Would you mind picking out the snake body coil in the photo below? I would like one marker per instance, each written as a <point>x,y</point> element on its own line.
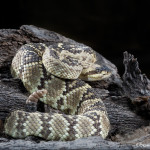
<point>59,70</point>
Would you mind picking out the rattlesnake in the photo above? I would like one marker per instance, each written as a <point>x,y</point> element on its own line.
<point>55,75</point>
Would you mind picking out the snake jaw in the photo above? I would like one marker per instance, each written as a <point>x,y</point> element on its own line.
<point>95,77</point>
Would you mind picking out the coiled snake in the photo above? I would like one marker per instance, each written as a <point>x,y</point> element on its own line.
<point>55,75</point>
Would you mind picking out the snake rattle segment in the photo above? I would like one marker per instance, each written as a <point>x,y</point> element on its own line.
<point>60,69</point>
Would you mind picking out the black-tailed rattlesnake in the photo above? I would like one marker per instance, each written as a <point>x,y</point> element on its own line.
<point>54,75</point>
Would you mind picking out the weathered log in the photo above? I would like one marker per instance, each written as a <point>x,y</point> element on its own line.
<point>84,144</point>
<point>114,93</point>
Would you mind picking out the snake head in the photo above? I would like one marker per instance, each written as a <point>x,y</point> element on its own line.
<point>95,73</point>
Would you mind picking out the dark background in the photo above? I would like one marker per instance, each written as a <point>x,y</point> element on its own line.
<point>108,26</point>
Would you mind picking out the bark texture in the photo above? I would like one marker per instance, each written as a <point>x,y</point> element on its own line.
<point>126,99</point>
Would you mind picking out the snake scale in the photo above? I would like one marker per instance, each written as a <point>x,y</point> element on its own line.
<point>59,70</point>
